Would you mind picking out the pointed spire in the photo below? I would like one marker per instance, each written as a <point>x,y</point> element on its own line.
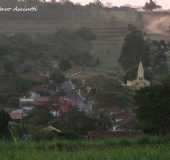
<point>140,74</point>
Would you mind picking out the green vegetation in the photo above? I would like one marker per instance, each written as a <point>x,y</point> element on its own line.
<point>154,108</point>
<point>109,92</point>
<point>147,148</point>
<point>153,55</point>
<point>13,87</point>
<point>23,53</point>
<point>4,119</point>
<point>151,6</point>
<point>80,122</point>
<point>134,49</point>
<point>72,124</point>
<point>24,57</point>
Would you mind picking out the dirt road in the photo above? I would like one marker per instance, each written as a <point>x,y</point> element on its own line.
<point>160,25</point>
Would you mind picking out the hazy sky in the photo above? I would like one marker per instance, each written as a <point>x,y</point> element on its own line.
<point>164,3</point>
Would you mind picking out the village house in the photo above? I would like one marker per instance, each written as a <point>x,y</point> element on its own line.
<point>16,115</point>
<point>56,104</point>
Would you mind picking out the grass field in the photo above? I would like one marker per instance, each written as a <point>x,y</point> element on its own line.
<point>154,148</point>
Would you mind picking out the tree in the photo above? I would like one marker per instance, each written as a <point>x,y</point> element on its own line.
<point>153,55</point>
<point>151,5</point>
<point>103,120</point>
<point>134,50</point>
<point>4,120</point>
<point>109,92</point>
<point>38,117</point>
<point>64,64</point>
<point>153,108</point>
<point>57,77</point>
<point>80,122</point>
<point>75,46</point>
<point>96,3</point>
<point>75,121</point>
<point>158,58</point>
<point>86,34</point>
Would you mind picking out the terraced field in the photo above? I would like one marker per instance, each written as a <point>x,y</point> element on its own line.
<point>109,25</point>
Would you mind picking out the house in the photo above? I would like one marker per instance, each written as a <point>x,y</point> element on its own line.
<point>26,102</point>
<point>43,102</point>
<point>16,115</point>
<point>39,90</point>
<point>73,93</point>
<point>36,92</point>
<point>56,104</point>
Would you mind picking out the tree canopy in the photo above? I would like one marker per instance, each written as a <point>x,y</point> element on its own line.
<point>151,5</point>
<point>152,53</point>
<point>4,120</point>
<point>134,50</point>
<point>153,108</point>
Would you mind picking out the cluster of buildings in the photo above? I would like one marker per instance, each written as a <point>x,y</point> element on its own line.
<point>60,99</point>
<point>57,100</point>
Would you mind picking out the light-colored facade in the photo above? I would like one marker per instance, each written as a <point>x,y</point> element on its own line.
<point>140,81</point>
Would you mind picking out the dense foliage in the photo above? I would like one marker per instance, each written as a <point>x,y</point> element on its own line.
<point>134,49</point>
<point>24,53</point>
<point>109,93</point>
<point>23,57</point>
<point>73,122</point>
<point>153,55</point>
<point>151,5</point>
<point>4,120</point>
<point>153,108</point>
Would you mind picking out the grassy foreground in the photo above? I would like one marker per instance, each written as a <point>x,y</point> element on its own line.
<point>116,149</point>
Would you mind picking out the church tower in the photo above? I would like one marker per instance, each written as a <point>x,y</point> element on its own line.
<point>140,74</point>
<point>140,81</point>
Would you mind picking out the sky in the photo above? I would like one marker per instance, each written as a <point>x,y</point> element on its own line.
<point>164,3</point>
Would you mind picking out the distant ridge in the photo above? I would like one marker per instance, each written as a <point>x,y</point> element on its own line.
<point>109,24</point>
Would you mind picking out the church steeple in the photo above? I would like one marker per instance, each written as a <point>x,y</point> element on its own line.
<point>140,82</point>
<point>140,74</point>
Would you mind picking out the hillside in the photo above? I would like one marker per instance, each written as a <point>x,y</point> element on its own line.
<point>109,25</point>
<point>156,24</point>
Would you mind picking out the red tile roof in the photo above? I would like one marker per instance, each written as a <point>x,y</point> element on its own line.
<point>42,102</point>
<point>16,115</point>
<point>57,103</point>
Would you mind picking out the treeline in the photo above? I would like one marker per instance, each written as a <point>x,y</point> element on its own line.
<point>65,3</point>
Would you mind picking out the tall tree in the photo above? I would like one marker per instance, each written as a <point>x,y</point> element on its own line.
<point>151,5</point>
<point>4,120</point>
<point>96,3</point>
<point>134,50</point>
<point>153,108</point>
